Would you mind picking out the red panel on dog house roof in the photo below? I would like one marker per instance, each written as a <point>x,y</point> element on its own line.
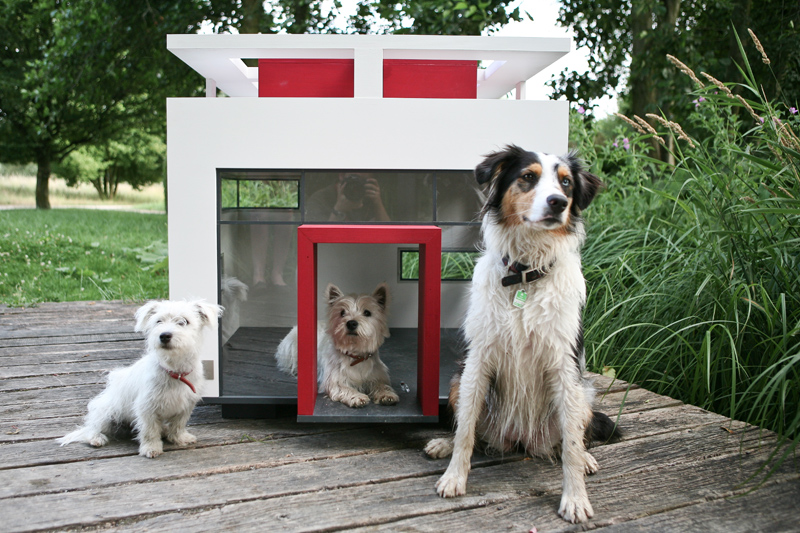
<point>333,78</point>
<point>305,78</point>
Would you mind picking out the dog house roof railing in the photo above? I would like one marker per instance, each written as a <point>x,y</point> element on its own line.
<point>506,62</point>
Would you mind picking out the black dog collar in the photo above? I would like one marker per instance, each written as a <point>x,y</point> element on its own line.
<point>522,273</point>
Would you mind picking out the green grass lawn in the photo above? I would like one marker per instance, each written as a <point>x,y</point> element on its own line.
<point>81,254</point>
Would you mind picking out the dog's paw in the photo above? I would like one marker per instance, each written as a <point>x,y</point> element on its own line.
<point>590,465</point>
<point>450,485</point>
<point>575,509</point>
<point>439,448</point>
<point>98,440</point>
<point>151,450</point>
<point>357,400</point>
<point>182,439</point>
<point>388,397</point>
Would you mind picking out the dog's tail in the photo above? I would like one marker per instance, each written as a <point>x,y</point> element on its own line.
<point>79,435</point>
<point>602,429</point>
<point>286,354</point>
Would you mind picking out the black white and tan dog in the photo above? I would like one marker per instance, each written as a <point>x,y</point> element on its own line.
<point>522,383</point>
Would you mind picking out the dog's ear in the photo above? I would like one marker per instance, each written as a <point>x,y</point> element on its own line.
<point>381,295</point>
<point>208,313</point>
<point>494,163</point>
<point>332,293</point>
<point>143,314</point>
<point>587,185</point>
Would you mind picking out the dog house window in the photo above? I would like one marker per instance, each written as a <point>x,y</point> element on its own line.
<point>457,265</point>
<point>259,212</point>
<point>345,197</point>
<point>260,193</point>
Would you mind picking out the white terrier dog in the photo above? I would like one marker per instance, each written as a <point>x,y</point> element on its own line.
<point>349,368</point>
<point>157,393</point>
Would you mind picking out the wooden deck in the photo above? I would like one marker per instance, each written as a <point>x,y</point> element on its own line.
<point>678,469</point>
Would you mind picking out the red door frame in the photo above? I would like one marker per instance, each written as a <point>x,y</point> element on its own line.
<point>429,239</point>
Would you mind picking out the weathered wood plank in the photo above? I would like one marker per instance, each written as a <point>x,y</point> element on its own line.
<point>90,365</point>
<point>51,428</point>
<point>50,381</point>
<point>281,446</point>
<point>648,454</point>
<point>113,350</point>
<point>680,489</point>
<point>90,338</point>
<point>27,454</point>
<point>675,466</point>
<point>340,503</point>
<point>770,508</point>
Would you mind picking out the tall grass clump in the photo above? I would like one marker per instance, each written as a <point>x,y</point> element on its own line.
<point>692,266</point>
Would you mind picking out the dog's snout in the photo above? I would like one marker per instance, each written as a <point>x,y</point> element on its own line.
<point>352,325</point>
<point>557,203</point>
<point>165,338</point>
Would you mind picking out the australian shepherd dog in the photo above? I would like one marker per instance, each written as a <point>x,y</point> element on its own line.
<point>521,383</point>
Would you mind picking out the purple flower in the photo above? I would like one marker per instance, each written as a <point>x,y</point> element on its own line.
<point>626,143</point>
<point>581,109</point>
<point>615,145</point>
<point>793,110</point>
<point>698,101</point>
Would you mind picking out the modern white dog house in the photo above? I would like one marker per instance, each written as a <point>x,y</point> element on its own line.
<point>336,130</point>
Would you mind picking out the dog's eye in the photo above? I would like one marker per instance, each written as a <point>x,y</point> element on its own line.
<point>182,322</point>
<point>342,313</point>
<point>529,177</point>
<point>565,182</point>
<point>367,313</point>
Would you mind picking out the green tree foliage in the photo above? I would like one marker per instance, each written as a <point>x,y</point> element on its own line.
<point>80,73</point>
<point>85,74</point>
<point>432,17</point>
<point>136,158</point>
<point>640,34</point>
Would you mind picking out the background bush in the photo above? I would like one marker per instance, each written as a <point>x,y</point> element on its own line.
<point>692,265</point>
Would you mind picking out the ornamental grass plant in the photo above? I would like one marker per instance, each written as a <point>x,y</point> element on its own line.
<point>692,266</point>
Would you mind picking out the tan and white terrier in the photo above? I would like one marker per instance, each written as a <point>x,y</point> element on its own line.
<point>349,367</point>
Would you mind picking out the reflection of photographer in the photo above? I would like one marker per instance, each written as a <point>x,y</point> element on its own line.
<point>354,197</point>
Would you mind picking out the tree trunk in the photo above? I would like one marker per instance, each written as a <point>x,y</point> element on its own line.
<point>643,96</point>
<point>43,181</point>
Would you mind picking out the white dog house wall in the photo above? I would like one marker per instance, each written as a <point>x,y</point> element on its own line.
<point>345,130</point>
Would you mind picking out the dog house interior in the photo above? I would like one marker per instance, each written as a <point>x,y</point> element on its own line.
<point>338,131</point>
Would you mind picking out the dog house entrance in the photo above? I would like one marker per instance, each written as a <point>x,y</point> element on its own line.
<point>260,212</point>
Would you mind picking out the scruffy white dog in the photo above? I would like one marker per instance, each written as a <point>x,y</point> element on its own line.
<point>349,368</point>
<point>157,393</point>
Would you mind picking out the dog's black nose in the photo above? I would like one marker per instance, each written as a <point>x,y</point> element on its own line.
<point>557,203</point>
<point>352,325</point>
<point>165,338</point>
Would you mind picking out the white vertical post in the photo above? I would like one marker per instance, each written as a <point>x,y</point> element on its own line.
<point>522,90</point>
<point>368,75</point>
<point>211,88</point>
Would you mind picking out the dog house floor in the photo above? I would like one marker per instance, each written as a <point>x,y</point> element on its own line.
<point>249,375</point>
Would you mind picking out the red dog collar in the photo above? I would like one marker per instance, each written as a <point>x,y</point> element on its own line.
<point>181,377</point>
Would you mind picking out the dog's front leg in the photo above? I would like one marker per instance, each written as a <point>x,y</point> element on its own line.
<point>383,393</point>
<point>148,433</point>
<point>176,430</point>
<point>469,406</point>
<point>347,395</point>
<point>574,416</point>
